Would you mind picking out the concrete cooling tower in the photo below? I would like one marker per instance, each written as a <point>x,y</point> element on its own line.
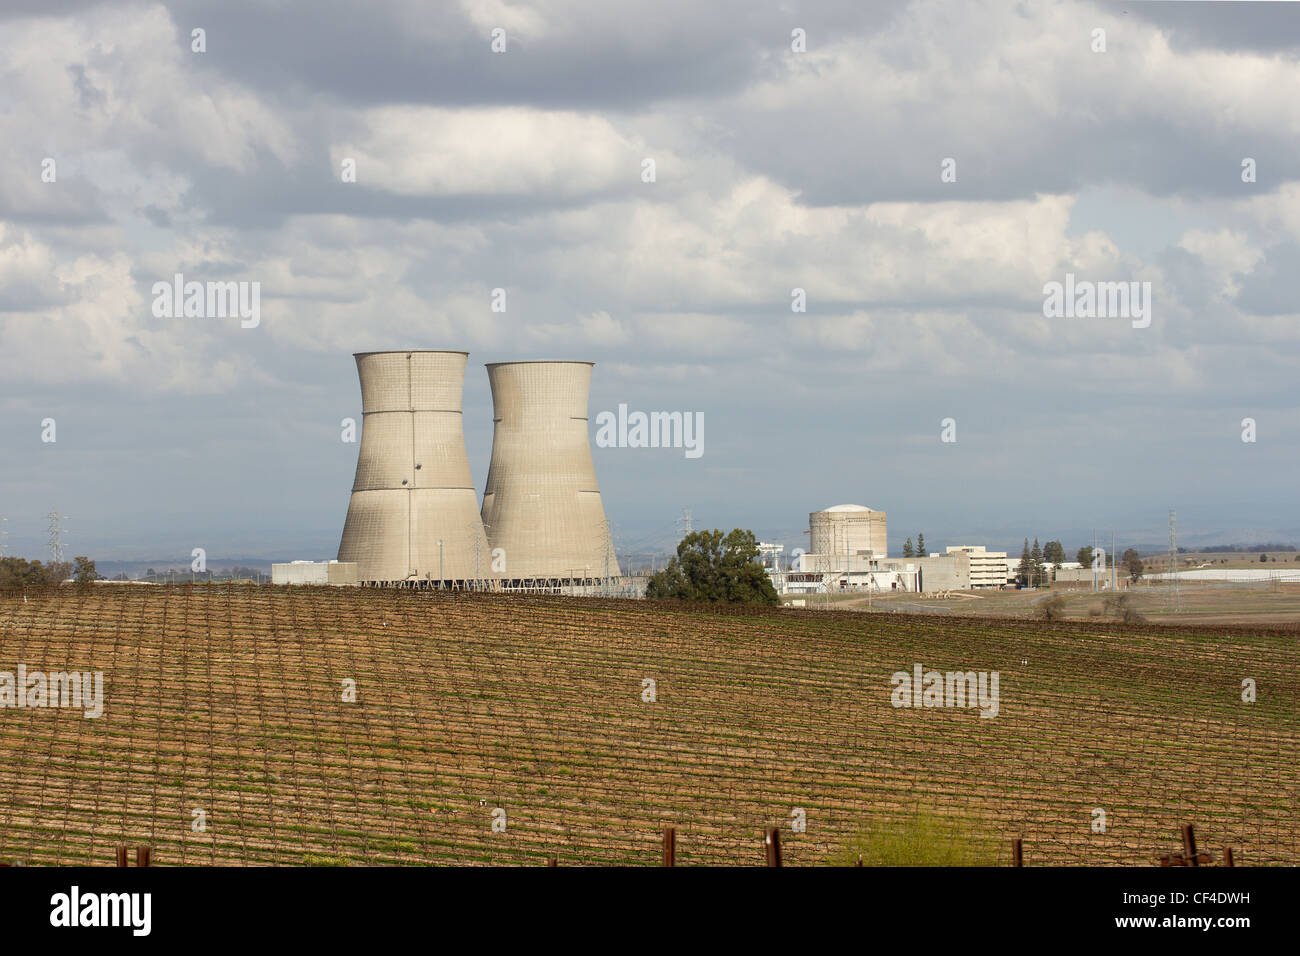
<point>413,486</point>
<point>541,504</point>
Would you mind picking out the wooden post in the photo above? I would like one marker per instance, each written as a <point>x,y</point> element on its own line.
<point>670,846</point>
<point>1227,856</point>
<point>859,863</point>
<point>1017,853</point>
<point>1189,846</point>
<point>772,846</point>
<point>142,854</point>
<point>552,861</point>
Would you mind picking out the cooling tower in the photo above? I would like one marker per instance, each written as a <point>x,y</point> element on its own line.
<point>541,504</point>
<point>413,486</point>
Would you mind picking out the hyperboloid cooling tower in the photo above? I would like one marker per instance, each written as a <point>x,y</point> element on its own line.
<point>413,487</point>
<point>541,504</point>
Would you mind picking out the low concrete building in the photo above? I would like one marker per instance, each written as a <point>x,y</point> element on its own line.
<point>844,573</point>
<point>334,573</point>
<point>963,567</point>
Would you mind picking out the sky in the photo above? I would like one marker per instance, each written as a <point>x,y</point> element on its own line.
<point>824,169</point>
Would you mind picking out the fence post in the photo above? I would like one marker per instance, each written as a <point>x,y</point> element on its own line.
<point>1227,856</point>
<point>142,854</point>
<point>1189,845</point>
<point>670,846</point>
<point>552,861</point>
<point>120,854</point>
<point>1017,853</point>
<point>772,846</point>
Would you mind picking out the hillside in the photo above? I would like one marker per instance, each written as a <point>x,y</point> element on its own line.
<point>229,700</point>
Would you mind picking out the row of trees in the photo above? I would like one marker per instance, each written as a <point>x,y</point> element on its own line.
<point>19,572</point>
<point>711,566</point>
<point>1032,569</point>
<point>915,552</point>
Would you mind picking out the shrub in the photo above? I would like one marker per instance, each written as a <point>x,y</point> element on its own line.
<point>922,839</point>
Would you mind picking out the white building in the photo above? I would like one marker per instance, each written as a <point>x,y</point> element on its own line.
<point>336,573</point>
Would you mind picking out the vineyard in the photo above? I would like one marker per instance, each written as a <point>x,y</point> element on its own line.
<point>492,729</point>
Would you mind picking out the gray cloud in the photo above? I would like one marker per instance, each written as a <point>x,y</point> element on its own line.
<point>774,171</point>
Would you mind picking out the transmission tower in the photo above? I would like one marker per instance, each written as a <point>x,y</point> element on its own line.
<point>610,557</point>
<point>56,536</point>
<point>686,523</point>
<point>478,562</point>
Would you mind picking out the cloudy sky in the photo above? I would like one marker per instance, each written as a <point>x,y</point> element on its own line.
<point>774,170</point>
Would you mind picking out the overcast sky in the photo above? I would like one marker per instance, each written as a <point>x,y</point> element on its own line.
<point>774,170</point>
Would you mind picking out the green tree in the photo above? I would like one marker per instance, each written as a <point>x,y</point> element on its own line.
<point>19,572</point>
<point>1084,556</point>
<point>1026,567</point>
<point>1054,553</point>
<point>908,550</point>
<point>920,546</point>
<point>83,571</point>
<point>711,566</point>
<point>1036,562</point>
<point>1133,564</point>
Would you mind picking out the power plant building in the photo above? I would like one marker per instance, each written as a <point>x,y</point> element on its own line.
<point>847,530</point>
<point>542,506</point>
<point>413,517</point>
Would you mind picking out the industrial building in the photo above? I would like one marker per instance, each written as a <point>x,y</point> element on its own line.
<point>333,573</point>
<point>848,553</point>
<point>413,518</point>
<point>847,529</point>
<point>833,574</point>
<point>542,509</point>
<point>963,567</point>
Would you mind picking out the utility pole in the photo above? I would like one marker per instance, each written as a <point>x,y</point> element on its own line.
<point>1113,568</point>
<point>1173,558</point>
<point>3,532</point>
<point>1094,559</point>
<point>440,578</point>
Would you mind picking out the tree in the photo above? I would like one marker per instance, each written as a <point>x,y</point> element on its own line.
<point>1036,560</point>
<point>1132,564</point>
<point>920,546</point>
<point>711,566</point>
<point>1054,553</point>
<point>1026,567</point>
<point>1263,558</point>
<point>1084,556</point>
<point>19,572</point>
<point>908,551</point>
<point>83,571</point>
